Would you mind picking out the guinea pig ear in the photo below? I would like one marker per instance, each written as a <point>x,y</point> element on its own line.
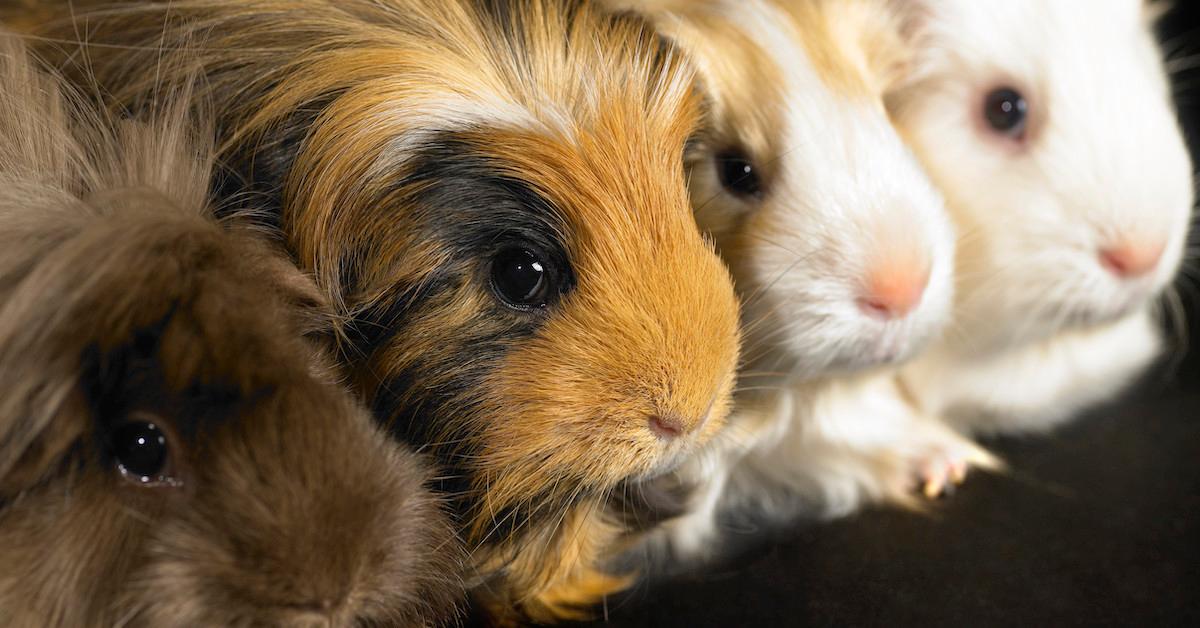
<point>913,23</point>
<point>885,34</point>
<point>910,15</point>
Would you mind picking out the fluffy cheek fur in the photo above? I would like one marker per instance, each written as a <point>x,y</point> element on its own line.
<point>1034,212</point>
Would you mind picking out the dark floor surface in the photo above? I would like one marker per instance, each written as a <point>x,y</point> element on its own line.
<point>1098,525</point>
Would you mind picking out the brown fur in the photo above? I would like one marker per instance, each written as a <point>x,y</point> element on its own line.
<point>359,119</point>
<point>121,299</point>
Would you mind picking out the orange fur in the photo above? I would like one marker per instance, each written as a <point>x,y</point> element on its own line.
<point>333,110</point>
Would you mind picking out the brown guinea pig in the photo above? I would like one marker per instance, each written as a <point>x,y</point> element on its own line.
<point>492,194</point>
<point>171,452</point>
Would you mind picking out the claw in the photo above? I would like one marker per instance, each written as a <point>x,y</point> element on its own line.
<point>958,472</point>
<point>937,471</point>
<point>935,485</point>
<point>939,479</point>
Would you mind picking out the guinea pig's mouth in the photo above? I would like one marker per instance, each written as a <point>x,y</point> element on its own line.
<point>884,346</point>
<point>1079,315</point>
<point>671,459</point>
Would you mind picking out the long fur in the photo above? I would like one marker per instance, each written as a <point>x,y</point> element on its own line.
<point>1040,328</point>
<point>122,298</point>
<point>405,144</point>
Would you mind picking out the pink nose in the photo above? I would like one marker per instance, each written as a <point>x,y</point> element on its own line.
<point>667,427</point>
<point>1129,260</point>
<point>894,291</point>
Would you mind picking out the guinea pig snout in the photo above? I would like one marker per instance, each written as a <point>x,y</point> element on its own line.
<point>1131,259</point>
<point>892,291</point>
<point>324,515</point>
<point>669,425</point>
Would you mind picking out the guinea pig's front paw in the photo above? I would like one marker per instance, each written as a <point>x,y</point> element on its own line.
<point>938,477</point>
<point>944,465</point>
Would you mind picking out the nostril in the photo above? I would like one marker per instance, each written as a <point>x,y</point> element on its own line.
<point>1128,260</point>
<point>878,307</point>
<point>893,292</point>
<point>666,427</point>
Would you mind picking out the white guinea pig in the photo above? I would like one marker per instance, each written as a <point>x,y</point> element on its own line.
<point>1049,127</point>
<point>841,250</point>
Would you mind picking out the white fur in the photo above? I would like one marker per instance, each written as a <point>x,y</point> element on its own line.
<point>1044,383</point>
<point>811,430</point>
<point>1041,328</point>
<point>821,448</point>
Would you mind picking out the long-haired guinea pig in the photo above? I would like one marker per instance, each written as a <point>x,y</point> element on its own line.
<point>1049,127</point>
<point>170,451</point>
<point>493,195</point>
<point>840,246</point>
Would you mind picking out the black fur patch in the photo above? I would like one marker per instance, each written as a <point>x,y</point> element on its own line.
<point>465,203</point>
<point>119,380</point>
<point>458,197</point>
<point>469,203</point>
<point>376,325</point>
<point>256,177</point>
<point>425,415</point>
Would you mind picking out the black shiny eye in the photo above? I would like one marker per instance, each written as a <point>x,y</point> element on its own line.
<point>1006,110</point>
<point>521,278</point>
<point>140,449</point>
<point>738,174</point>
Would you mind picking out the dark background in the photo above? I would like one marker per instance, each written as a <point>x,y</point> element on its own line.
<point>1097,525</point>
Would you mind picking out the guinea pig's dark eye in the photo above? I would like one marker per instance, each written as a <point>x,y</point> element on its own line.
<point>521,278</point>
<point>1005,110</point>
<point>738,174</point>
<point>140,450</point>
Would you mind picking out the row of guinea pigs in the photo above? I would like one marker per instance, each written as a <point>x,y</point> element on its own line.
<point>326,312</point>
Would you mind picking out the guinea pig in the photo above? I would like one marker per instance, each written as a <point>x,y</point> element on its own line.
<point>492,195</point>
<point>840,247</point>
<point>173,450</point>
<point>1050,129</point>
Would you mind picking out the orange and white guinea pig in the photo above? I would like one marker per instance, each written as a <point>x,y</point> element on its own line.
<point>492,194</point>
<point>1049,127</point>
<point>842,251</point>
<point>171,449</point>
